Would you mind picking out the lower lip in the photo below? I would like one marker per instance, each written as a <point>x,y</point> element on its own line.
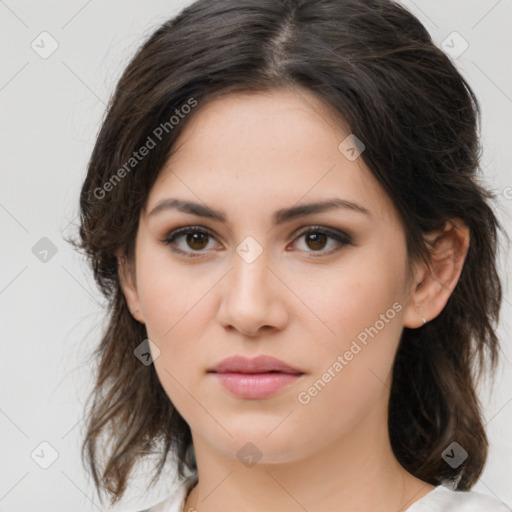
<point>256,385</point>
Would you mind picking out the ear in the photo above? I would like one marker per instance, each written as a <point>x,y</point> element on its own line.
<point>434,282</point>
<point>128,285</point>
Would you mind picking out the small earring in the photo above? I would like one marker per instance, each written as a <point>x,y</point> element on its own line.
<point>424,320</point>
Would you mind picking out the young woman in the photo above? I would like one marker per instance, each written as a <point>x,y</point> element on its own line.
<point>285,211</point>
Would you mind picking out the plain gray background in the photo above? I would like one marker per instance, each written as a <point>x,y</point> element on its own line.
<point>51,313</point>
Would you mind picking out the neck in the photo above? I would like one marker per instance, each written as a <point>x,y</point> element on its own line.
<point>356,472</point>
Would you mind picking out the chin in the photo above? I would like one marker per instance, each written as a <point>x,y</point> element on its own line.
<point>257,445</point>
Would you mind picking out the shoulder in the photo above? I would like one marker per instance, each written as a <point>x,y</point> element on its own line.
<point>440,499</point>
<point>443,499</point>
<point>176,501</point>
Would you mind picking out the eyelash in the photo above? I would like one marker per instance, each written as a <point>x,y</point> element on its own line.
<point>340,237</point>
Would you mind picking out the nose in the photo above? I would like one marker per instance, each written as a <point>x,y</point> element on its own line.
<point>253,298</point>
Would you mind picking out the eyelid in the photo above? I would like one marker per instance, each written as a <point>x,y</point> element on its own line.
<point>324,229</point>
<point>184,230</point>
<point>341,237</point>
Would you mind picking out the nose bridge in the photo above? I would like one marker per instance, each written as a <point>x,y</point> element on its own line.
<point>249,298</point>
<point>249,278</point>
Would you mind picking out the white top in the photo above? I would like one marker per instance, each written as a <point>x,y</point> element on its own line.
<point>440,499</point>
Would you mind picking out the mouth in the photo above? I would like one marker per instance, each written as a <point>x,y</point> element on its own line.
<point>255,378</point>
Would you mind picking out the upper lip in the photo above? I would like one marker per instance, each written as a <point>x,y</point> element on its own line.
<point>260,364</point>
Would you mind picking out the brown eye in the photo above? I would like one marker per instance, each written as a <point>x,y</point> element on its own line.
<point>190,241</point>
<point>194,241</point>
<point>316,240</point>
<point>197,240</point>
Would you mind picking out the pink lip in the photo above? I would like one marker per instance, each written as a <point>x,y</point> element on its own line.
<point>255,378</point>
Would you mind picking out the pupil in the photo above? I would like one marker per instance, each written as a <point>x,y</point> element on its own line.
<point>317,238</point>
<point>193,238</point>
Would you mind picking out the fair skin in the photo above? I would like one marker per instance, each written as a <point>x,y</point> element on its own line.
<point>300,301</point>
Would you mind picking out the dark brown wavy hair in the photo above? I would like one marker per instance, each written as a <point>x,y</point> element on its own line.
<point>375,65</point>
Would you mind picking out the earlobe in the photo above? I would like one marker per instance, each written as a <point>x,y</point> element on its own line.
<point>128,285</point>
<point>436,280</point>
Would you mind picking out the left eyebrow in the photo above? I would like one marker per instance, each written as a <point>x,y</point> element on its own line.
<point>287,214</point>
<point>280,216</point>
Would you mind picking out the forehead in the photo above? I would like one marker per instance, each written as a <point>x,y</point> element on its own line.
<point>281,146</point>
<point>280,118</point>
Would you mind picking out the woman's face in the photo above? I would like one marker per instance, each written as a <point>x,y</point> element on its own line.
<point>325,292</point>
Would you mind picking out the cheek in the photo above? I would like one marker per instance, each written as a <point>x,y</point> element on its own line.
<point>362,293</point>
<point>352,379</point>
<point>364,310</point>
<point>176,309</point>
<point>184,355</point>
<point>178,332</point>
<point>169,295</point>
